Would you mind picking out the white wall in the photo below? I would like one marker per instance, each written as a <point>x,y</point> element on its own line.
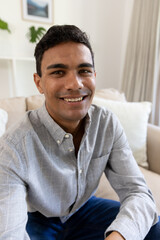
<point>105,21</point>
<point>16,43</point>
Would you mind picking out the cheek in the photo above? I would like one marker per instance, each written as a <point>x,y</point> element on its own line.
<point>50,86</point>
<point>91,84</point>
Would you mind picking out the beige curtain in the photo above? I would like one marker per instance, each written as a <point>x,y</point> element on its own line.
<point>155,117</point>
<point>141,77</point>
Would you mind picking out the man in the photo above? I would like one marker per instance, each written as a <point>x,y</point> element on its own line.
<point>51,162</point>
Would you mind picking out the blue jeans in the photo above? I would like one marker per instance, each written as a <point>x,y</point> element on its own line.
<point>88,223</point>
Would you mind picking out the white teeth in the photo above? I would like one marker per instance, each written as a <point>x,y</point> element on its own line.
<point>73,99</point>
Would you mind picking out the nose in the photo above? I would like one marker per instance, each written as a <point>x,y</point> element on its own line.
<point>73,82</point>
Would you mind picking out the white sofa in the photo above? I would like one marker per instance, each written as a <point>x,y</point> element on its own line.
<point>130,114</point>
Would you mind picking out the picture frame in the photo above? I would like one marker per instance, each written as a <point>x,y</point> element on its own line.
<point>38,10</point>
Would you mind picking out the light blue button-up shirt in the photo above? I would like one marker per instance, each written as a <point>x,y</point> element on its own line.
<point>40,172</point>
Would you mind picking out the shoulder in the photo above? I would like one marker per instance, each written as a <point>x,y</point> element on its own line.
<point>16,133</point>
<point>101,113</point>
<point>103,118</point>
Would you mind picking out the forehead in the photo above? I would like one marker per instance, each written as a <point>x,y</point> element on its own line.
<point>67,53</point>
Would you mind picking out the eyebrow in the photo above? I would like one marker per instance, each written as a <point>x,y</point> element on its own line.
<point>57,65</point>
<point>85,65</point>
<point>61,65</point>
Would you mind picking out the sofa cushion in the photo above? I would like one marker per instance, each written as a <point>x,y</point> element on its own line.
<point>134,119</point>
<point>3,121</point>
<point>37,101</point>
<point>34,102</point>
<point>15,107</point>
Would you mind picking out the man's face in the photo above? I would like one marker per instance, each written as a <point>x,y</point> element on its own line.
<point>67,81</point>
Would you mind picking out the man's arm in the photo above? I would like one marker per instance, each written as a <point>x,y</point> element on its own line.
<point>138,211</point>
<point>13,205</point>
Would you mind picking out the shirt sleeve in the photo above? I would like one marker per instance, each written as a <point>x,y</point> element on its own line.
<point>138,211</point>
<point>13,205</point>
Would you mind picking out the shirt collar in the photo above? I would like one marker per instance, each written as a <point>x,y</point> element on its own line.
<point>54,129</point>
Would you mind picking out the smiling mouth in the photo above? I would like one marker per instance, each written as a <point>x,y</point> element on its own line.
<point>79,99</point>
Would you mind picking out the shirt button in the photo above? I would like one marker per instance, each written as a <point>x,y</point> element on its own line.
<point>70,149</point>
<point>66,135</point>
<point>58,141</point>
<point>80,171</point>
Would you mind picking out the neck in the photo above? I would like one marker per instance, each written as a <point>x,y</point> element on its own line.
<point>78,129</point>
<point>77,135</point>
<point>72,127</point>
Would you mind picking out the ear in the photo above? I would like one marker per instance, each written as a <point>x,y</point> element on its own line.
<point>38,82</point>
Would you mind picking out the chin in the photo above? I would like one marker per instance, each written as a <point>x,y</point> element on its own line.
<point>77,116</point>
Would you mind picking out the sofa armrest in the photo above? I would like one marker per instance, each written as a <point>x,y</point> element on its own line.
<point>153,148</point>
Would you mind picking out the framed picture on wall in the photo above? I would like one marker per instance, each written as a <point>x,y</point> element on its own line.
<point>38,10</point>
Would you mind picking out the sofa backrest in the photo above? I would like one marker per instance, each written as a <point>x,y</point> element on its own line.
<point>17,106</point>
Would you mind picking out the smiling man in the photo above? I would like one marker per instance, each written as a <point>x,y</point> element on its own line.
<point>67,80</point>
<point>68,83</point>
<point>51,162</point>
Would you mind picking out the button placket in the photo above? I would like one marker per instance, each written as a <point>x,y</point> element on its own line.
<point>68,143</point>
<point>70,149</point>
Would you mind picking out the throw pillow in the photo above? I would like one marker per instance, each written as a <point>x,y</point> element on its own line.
<point>134,118</point>
<point>3,121</point>
<point>111,94</point>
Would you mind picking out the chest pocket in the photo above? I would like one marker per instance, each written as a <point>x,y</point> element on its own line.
<point>95,170</point>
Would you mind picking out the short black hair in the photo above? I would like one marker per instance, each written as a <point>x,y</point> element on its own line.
<point>59,34</point>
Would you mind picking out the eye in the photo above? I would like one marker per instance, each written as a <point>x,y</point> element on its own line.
<point>57,73</point>
<point>85,71</point>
